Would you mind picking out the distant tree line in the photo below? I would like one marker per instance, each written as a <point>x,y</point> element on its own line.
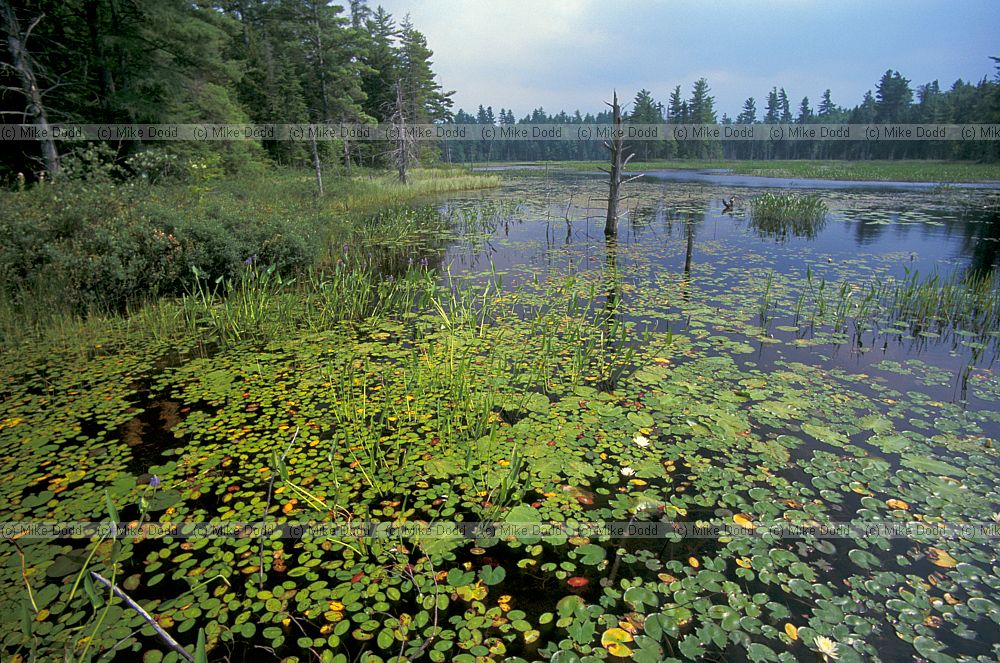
<point>894,101</point>
<point>230,61</point>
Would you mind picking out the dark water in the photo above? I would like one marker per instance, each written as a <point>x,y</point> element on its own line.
<point>922,229</point>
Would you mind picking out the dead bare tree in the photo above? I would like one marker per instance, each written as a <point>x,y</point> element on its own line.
<point>618,162</point>
<point>402,151</point>
<point>317,165</point>
<point>21,63</point>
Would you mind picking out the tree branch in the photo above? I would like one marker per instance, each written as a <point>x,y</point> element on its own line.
<point>173,644</point>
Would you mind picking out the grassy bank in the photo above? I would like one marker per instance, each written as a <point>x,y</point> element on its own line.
<point>887,171</point>
<point>96,246</point>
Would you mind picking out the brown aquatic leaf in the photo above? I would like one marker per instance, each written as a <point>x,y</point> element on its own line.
<point>941,558</point>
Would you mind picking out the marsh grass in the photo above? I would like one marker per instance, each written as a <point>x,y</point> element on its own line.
<point>781,215</point>
<point>968,304</point>
<point>875,170</point>
<point>370,191</point>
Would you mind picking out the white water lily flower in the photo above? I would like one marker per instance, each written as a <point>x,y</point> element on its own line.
<point>641,440</point>
<point>826,647</point>
<point>627,471</point>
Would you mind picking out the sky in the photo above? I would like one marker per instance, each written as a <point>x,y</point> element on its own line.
<point>571,54</point>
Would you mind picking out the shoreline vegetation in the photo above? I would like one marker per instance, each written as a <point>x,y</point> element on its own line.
<point>96,247</point>
<point>99,248</point>
<point>878,171</point>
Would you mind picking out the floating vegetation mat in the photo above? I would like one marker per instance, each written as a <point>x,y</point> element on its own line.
<point>569,451</point>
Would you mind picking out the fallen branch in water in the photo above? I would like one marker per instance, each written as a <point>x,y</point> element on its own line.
<point>173,644</point>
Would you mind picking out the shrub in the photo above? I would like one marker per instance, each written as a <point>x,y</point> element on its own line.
<point>101,245</point>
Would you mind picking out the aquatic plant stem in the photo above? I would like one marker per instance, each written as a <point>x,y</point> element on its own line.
<point>267,504</point>
<point>173,644</point>
<point>24,575</point>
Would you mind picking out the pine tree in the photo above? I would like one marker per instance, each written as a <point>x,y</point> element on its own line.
<point>749,112</point>
<point>805,113</point>
<point>701,110</point>
<point>675,112</point>
<point>826,107</point>
<point>783,104</point>
<point>645,110</point>
<point>893,97</point>
<point>382,65</point>
<point>702,105</point>
<point>773,112</point>
<point>424,99</point>
<point>24,67</point>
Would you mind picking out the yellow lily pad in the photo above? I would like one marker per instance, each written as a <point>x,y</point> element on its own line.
<point>941,558</point>
<point>613,640</point>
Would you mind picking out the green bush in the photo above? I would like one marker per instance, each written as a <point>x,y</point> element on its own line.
<point>100,245</point>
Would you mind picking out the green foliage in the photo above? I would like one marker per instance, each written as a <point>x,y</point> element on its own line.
<point>100,248</point>
<point>781,215</point>
<point>93,244</point>
<point>178,62</point>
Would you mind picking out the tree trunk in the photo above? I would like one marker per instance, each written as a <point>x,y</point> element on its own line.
<point>92,10</point>
<point>316,163</point>
<point>321,63</point>
<point>21,62</point>
<point>401,155</point>
<point>614,191</point>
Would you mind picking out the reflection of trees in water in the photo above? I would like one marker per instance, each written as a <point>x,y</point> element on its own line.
<point>619,345</point>
<point>689,251</point>
<point>981,236</point>
<point>612,281</point>
<point>977,229</point>
<point>866,232</point>
<point>395,261</point>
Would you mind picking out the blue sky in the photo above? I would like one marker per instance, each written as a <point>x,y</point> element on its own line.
<point>569,54</point>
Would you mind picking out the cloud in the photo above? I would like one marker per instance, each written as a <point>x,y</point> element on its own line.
<point>570,54</point>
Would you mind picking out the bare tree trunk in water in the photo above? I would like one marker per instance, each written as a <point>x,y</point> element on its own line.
<point>618,163</point>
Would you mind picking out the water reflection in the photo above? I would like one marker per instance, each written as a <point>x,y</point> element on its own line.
<point>781,228</point>
<point>981,236</point>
